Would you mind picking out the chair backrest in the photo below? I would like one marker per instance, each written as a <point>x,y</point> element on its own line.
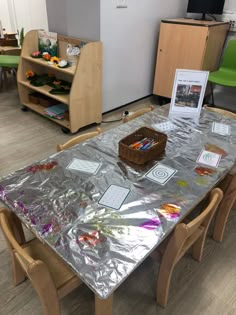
<point>185,235</point>
<point>10,231</point>
<point>78,139</point>
<point>192,234</point>
<point>229,59</point>
<point>223,112</point>
<point>138,113</point>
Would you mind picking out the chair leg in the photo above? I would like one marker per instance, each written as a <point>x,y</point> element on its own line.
<point>212,95</point>
<point>19,274</point>
<point>1,78</point>
<point>198,246</point>
<point>103,307</point>
<point>5,75</point>
<point>18,229</point>
<point>163,280</point>
<point>220,224</point>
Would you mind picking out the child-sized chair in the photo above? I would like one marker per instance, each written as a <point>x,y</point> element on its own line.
<point>8,63</point>
<point>226,73</point>
<point>184,236</point>
<point>228,186</point>
<point>78,139</point>
<point>138,113</point>
<point>51,278</point>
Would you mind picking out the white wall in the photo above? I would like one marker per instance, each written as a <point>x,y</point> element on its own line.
<point>129,39</point>
<point>57,16</point>
<point>4,16</point>
<point>75,18</point>
<point>230,5</point>
<point>31,14</point>
<point>83,19</point>
<point>28,14</point>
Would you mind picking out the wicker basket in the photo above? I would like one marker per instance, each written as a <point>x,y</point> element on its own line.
<point>46,101</point>
<point>34,98</point>
<point>142,156</point>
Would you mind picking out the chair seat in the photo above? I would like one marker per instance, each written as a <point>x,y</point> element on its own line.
<point>60,272</point>
<point>9,61</point>
<point>223,76</point>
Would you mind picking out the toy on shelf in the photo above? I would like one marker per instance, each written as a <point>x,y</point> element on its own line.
<point>36,54</point>
<point>72,53</point>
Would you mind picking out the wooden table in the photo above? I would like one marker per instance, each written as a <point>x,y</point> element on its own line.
<point>5,49</point>
<point>62,205</point>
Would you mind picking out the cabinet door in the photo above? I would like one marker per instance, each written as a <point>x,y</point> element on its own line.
<point>180,47</point>
<point>214,48</point>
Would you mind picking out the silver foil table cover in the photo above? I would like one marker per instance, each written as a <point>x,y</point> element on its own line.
<point>103,245</point>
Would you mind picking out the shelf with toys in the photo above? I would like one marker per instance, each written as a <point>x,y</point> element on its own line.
<point>70,70</point>
<point>78,85</point>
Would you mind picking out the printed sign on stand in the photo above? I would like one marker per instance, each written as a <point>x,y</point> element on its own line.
<point>188,93</point>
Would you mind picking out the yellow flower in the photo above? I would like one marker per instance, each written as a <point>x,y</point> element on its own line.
<point>55,59</point>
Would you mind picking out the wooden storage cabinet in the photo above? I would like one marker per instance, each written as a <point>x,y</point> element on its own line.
<point>85,98</point>
<point>187,44</point>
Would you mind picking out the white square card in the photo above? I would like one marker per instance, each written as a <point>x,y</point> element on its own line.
<point>165,126</point>
<point>84,166</point>
<point>221,129</point>
<point>209,158</point>
<point>114,197</point>
<point>160,174</point>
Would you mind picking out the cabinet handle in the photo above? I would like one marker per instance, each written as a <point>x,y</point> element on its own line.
<point>160,50</point>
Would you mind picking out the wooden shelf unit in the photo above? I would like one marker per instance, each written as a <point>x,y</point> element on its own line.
<point>85,98</point>
<point>187,44</point>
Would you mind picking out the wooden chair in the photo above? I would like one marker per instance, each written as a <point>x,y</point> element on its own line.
<point>226,73</point>
<point>221,111</point>
<point>138,113</point>
<point>49,275</point>
<point>78,139</point>
<point>228,186</point>
<point>9,61</point>
<point>184,236</point>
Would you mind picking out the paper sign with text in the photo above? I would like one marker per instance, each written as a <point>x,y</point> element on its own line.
<point>188,92</point>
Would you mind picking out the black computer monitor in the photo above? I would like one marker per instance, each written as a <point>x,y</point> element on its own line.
<point>206,7</point>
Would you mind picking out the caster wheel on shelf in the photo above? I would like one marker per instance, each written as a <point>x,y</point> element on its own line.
<point>166,100</point>
<point>65,130</point>
<point>24,109</point>
<point>207,100</point>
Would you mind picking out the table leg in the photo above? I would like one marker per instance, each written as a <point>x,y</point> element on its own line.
<point>103,307</point>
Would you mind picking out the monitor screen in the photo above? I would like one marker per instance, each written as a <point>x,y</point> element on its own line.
<point>206,6</point>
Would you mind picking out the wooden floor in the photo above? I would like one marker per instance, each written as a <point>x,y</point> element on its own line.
<point>206,288</point>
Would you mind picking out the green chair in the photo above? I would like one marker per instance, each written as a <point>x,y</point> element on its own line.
<point>8,63</point>
<point>226,74</point>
